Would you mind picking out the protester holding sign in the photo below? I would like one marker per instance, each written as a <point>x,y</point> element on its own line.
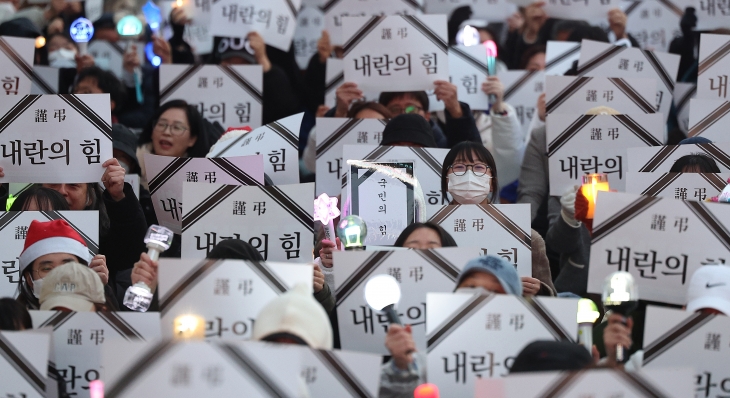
<point>469,174</point>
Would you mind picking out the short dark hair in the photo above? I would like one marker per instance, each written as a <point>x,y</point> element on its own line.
<point>372,105</point>
<point>46,199</point>
<point>195,121</point>
<point>107,82</point>
<point>696,162</point>
<point>446,239</point>
<point>420,96</point>
<point>14,316</point>
<point>531,52</point>
<point>465,149</point>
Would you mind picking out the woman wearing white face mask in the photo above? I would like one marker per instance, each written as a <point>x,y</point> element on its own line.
<point>469,174</point>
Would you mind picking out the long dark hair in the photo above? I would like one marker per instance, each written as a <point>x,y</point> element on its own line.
<point>195,122</point>
<point>45,198</point>
<point>446,239</point>
<point>13,316</point>
<point>464,149</point>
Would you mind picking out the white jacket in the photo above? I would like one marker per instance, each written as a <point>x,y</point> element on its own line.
<point>504,137</point>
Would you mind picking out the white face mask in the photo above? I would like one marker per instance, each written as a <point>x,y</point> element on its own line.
<point>469,189</point>
<point>62,58</point>
<point>37,286</point>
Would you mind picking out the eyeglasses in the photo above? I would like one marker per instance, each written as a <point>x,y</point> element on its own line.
<point>479,169</point>
<point>42,272</point>
<point>398,110</point>
<point>175,129</point>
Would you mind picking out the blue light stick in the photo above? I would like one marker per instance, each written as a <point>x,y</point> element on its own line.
<point>81,31</point>
<point>153,16</point>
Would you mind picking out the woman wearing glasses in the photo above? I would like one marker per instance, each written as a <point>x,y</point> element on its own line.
<point>469,174</point>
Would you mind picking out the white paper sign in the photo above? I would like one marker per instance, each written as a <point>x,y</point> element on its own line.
<point>45,80</point>
<point>670,383</point>
<point>56,138</point>
<point>16,62</point>
<point>711,15</point>
<point>417,271</point>
<point>229,294</point>
<point>335,77</point>
<point>500,230</point>
<point>196,369</point>
<point>661,159</point>
<point>332,135</point>
<point>709,118</point>
<point>282,216</point>
<point>14,229</point>
<point>167,174</point>
<point>588,10</point>
<point>231,95</point>
<point>274,20</point>
<point>714,61</point>
<point>488,10</point>
<point>683,93</point>
<point>473,336</point>
<point>569,94</point>
<point>395,53</point>
<point>653,23</point>
<point>78,338</point>
<point>607,60</point>
<point>310,23</point>
<point>682,186</point>
<point>110,56</point>
<point>468,70</point>
<point>589,144</point>
<point>278,142</point>
<point>24,360</point>
<point>560,56</point>
<point>648,237</point>
<point>340,373</point>
<point>197,32</point>
<point>336,10</point>
<point>701,347</point>
<point>522,88</point>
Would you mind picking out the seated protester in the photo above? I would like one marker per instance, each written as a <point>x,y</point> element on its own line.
<point>459,125</point>
<point>63,53</point>
<point>405,371</point>
<point>37,198</point>
<point>550,355</point>
<point>72,287</point>
<point>408,130</point>
<point>424,235</point>
<point>708,293</point>
<point>280,99</point>
<point>696,163</point>
<point>47,246</point>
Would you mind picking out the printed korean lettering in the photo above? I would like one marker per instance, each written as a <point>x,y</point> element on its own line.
<point>680,193</point>
<point>494,321</point>
<point>367,319</point>
<point>721,86</point>
<point>21,231</point>
<point>59,114</point>
<point>608,95</point>
<point>591,95</point>
<point>395,273</point>
<point>613,133</point>
<point>623,64</point>
<point>74,337</point>
<point>173,207</point>
<point>243,111</point>
<point>707,386</point>
<point>434,197</point>
<point>9,269</point>
<point>191,176</point>
<point>33,149</point>
<point>92,155</point>
<point>416,273</point>
<point>239,208</point>
<point>290,244</point>
<point>362,137</point>
<point>210,177</point>
<point>470,83</point>
<point>681,223</point>
<point>204,5</point>
<point>277,159</point>
<point>712,342</point>
<point>97,336</point>
<point>383,230</point>
<point>658,222</point>
<point>700,193</point>
<point>259,207</point>
<point>509,255</point>
<point>214,111</point>
<point>180,376</point>
<point>282,23</point>
<point>245,286</point>
<point>41,116</point>
<point>646,263</point>
<point>459,368</point>
<point>595,134</point>
<point>459,225</point>
<point>216,328</point>
<point>221,287</point>
<point>430,62</point>
<point>10,85</point>
<point>70,376</point>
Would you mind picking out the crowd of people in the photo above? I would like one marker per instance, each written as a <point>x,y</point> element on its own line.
<point>492,159</point>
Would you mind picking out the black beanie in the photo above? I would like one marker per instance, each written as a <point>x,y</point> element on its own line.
<point>409,127</point>
<point>235,249</point>
<point>551,356</point>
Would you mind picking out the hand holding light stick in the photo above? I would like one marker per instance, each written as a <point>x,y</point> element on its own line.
<point>139,296</point>
<point>325,211</point>
<point>621,296</point>
<point>129,28</point>
<point>81,31</point>
<point>587,316</point>
<point>491,47</point>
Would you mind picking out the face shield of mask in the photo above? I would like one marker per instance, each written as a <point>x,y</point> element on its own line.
<point>62,58</point>
<point>469,189</point>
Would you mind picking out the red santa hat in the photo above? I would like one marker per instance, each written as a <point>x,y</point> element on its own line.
<point>52,237</point>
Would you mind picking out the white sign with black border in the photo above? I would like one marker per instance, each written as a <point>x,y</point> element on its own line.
<point>714,62</point>
<point>336,373</point>
<point>336,10</point>
<point>709,119</point>
<point>274,20</point>
<point>653,23</point>
<point>682,186</point>
<point>662,158</point>
<point>572,94</point>
<point>468,70</point>
<point>16,62</point>
<point>522,88</point>
<point>683,95</point>
<point>24,360</point>
<point>560,56</point>
<point>110,55</point>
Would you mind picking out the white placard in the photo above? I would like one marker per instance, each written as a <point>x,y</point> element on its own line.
<point>229,294</point>
<point>274,20</point>
<point>599,59</point>
<point>417,271</point>
<point>197,32</point>
<point>559,57</point>
<point>669,383</point>
<point>231,95</point>
<point>702,347</point>
<point>56,138</point>
<point>648,237</point>
<point>278,142</point>
<point>16,64</point>
<point>45,80</point>
<point>653,23</point>
<point>110,56</point>
<point>589,144</point>
<point>395,53</point>
<point>588,10</point>
<point>472,336</point>
<point>522,88</point>
<point>166,176</point>
<point>683,94</point>
<point>93,9</point>
<point>14,229</point>
<point>197,369</point>
<point>500,230</point>
<point>310,23</point>
<point>79,337</point>
<point>340,373</point>
<point>468,70</point>
<point>712,78</point>
<point>427,168</point>
<point>335,77</point>
<point>282,216</point>
<point>709,118</point>
<point>682,186</point>
<point>24,363</point>
<point>570,94</point>
<point>336,10</point>
<point>711,15</point>
<point>661,159</point>
<point>488,10</point>
<point>332,135</point>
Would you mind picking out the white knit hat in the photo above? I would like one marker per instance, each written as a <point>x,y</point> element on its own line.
<point>297,313</point>
<point>73,286</point>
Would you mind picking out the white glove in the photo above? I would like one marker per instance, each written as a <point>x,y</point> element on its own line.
<point>567,204</point>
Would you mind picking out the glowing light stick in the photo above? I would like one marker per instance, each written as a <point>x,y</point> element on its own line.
<point>426,390</point>
<point>153,16</point>
<point>491,47</point>
<point>468,36</point>
<point>325,210</point>
<point>129,28</point>
<point>587,315</point>
<point>138,297</point>
<point>96,389</point>
<point>81,31</point>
